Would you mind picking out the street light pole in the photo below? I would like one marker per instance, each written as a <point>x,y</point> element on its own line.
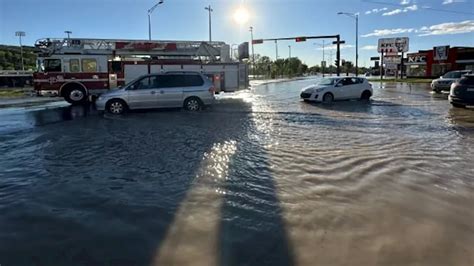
<point>356,17</point>
<point>289,48</point>
<point>21,34</point>
<point>68,32</point>
<point>149,17</point>
<point>210,21</point>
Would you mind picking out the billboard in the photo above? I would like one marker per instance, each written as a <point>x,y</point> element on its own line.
<point>394,45</point>
<point>441,53</point>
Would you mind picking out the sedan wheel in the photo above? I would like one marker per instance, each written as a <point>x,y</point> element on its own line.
<point>328,98</point>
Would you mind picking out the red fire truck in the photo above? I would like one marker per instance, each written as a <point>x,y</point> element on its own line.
<point>79,68</point>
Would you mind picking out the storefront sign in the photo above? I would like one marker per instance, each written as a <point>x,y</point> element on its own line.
<point>417,59</point>
<point>441,53</point>
<point>393,45</point>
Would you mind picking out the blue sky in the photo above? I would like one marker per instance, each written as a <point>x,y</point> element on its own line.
<point>187,20</point>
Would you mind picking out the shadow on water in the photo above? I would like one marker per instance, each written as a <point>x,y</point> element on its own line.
<point>105,190</point>
<point>252,231</point>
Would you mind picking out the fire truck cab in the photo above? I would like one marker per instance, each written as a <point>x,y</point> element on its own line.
<point>77,69</point>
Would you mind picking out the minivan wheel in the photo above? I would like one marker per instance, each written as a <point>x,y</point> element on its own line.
<point>193,104</point>
<point>116,107</point>
<point>328,98</point>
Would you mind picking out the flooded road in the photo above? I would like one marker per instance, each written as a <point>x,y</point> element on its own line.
<point>261,178</point>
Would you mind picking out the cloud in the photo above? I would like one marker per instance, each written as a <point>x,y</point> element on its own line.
<point>386,32</point>
<point>369,47</point>
<point>448,28</point>
<point>405,2</point>
<point>438,29</point>
<point>447,2</point>
<point>375,10</point>
<point>401,10</point>
<point>334,47</point>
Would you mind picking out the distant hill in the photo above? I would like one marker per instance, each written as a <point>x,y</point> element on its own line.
<point>10,57</point>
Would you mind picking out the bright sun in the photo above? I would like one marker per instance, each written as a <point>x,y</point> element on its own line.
<point>241,15</point>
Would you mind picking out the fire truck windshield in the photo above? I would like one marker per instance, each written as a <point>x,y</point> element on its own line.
<point>52,65</point>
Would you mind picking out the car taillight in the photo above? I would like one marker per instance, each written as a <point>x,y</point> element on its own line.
<point>212,90</point>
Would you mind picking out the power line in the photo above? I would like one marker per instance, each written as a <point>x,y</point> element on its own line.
<point>423,7</point>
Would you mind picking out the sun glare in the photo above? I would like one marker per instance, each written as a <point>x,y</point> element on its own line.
<point>241,15</point>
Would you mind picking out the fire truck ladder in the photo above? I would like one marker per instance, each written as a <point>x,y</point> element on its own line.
<point>211,50</point>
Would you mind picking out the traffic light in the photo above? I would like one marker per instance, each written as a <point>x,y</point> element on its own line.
<point>336,62</point>
<point>343,62</point>
<point>258,41</point>
<point>300,39</point>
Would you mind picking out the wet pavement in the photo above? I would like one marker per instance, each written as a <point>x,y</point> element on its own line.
<point>261,178</point>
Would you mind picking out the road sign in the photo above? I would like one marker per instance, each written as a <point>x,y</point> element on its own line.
<point>323,63</point>
<point>392,59</point>
<point>340,42</point>
<point>259,41</point>
<point>393,45</point>
<point>375,58</point>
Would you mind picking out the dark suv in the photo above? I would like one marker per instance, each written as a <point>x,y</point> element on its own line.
<point>462,92</point>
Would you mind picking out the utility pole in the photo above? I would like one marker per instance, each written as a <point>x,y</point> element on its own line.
<point>253,51</point>
<point>289,47</point>
<point>276,50</point>
<point>149,17</point>
<point>324,59</point>
<point>21,34</point>
<point>209,8</point>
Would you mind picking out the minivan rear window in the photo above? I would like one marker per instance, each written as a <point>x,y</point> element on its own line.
<point>174,81</point>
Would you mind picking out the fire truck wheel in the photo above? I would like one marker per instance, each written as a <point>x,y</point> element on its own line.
<point>75,95</point>
<point>116,106</point>
<point>193,104</point>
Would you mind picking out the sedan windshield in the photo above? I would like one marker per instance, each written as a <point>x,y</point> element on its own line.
<point>327,82</point>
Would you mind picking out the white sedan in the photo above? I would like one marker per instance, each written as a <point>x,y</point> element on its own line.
<point>338,88</point>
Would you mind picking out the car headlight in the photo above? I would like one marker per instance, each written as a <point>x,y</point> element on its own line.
<point>319,90</point>
<point>101,98</point>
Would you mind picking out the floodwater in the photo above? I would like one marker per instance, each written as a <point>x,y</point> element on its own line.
<point>261,178</point>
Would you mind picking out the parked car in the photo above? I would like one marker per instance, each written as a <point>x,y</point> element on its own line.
<point>338,88</point>
<point>462,92</point>
<point>445,81</point>
<point>190,90</point>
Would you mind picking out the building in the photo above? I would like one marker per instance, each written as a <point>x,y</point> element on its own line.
<point>436,62</point>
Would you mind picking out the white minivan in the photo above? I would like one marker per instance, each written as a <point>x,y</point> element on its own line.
<point>189,90</point>
<point>337,88</point>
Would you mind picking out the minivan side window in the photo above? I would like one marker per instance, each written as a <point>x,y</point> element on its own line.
<point>142,84</point>
<point>193,81</point>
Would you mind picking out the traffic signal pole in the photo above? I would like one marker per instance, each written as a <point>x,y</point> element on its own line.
<point>338,43</point>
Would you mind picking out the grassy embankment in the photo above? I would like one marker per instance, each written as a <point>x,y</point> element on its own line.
<point>407,80</point>
<point>12,93</point>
